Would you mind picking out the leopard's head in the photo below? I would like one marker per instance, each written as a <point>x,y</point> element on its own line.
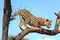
<point>47,23</point>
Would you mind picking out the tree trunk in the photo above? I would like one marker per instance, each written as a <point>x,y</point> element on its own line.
<point>6,19</point>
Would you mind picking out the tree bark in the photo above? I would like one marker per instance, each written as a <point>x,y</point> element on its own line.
<point>36,30</point>
<point>6,19</point>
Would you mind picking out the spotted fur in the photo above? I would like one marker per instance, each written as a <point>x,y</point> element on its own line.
<point>26,18</point>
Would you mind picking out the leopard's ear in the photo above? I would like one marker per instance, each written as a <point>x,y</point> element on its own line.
<point>47,20</point>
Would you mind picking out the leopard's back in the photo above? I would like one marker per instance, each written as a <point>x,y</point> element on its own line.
<point>30,19</point>
<point>34,21</point>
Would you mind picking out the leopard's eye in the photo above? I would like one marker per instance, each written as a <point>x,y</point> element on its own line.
<point>47,20</point>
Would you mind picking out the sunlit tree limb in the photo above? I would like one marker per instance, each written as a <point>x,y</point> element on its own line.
<point>36,30</point>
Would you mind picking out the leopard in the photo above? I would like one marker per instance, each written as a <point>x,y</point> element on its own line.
<point>27,18</point>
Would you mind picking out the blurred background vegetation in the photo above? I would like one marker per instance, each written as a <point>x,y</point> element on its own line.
<point>12,36</point>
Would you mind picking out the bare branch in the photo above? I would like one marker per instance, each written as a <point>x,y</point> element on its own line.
<point>56,14</point>
<point>11,19</point>
<point>57,21</point>
<point>36,30</point>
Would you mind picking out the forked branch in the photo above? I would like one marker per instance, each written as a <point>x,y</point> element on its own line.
<point>36,30</point>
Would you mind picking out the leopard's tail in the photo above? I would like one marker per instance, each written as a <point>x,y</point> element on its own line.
<point>13,15</point>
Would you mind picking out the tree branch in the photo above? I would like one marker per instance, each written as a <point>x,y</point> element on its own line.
<point>36,30</point>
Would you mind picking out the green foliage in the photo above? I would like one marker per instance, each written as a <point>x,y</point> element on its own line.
<point>10,37</point>
<point>25,39</point>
